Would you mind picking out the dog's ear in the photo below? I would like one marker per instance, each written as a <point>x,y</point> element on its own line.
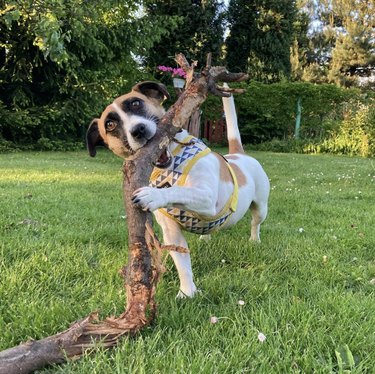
<point>93,137</point>
<point>152,90</point>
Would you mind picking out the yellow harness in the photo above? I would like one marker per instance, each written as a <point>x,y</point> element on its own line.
<point>186,154</point>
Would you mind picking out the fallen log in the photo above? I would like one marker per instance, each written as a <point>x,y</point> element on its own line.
<point>144,268</point>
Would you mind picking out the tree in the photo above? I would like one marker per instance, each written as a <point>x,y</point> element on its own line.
<point>261,34</point>
<point>300,45</point>
<point>243,29</point>
<point>200,30</point>
<point>61,60</point>
<point>341,41</point>
<point>353,53</point>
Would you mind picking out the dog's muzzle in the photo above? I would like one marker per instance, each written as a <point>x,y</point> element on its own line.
<point>140,132</point>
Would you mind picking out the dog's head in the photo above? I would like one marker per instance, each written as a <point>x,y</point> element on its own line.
<point>130,121</point>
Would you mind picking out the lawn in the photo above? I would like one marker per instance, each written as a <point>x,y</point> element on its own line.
<point>308,287</point>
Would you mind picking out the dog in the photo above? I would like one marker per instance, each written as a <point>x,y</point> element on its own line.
<point>191,188</point>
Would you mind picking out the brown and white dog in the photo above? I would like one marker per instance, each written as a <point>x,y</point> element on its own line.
<point>131,120</point>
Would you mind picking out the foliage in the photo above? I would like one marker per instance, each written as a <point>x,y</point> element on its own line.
<point>268,111</point>
<point>61,61</point>
<point>300,44</point>
<point>289,145</point>
<point>200,30</point>
<point>63,241</point>
<point>7,147</point>
<point>261,33</point>
<point>353,49</point>
<point>43,144</point>
<point>356,135</point>
<point>341,42</point>
<point>333,120</point>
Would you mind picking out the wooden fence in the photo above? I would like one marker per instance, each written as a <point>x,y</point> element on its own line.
<point>215,131</point>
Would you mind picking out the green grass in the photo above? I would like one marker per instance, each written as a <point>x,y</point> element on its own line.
<point>307,286</point>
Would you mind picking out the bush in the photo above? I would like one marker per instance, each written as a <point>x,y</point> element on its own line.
<point>6,146</point>
<point>333,119</point>
<point>268,111</point>
<point>43,144</point>
<point>355,136</point>
<point>282,146</point>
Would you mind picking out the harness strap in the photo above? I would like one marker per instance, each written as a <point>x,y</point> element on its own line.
<point>232,202</point>
<point>181,181</point>
<point>230,205</point>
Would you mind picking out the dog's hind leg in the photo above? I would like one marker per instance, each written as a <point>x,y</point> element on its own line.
<point>259,214</point>
<point>206,238</point>
<point>172,235</point>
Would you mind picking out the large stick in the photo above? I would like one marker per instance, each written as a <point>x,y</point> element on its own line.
<point>142,273</point>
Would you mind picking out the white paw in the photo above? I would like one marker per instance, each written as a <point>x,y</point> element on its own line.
<point>255,239</point>
<point>205,238</point>
<point>191,293</point>
<point>149,198</point>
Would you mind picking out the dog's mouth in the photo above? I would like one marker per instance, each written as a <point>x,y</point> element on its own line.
<point>165,160</point>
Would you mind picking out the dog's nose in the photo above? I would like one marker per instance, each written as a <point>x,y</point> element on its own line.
<point>138,131</point>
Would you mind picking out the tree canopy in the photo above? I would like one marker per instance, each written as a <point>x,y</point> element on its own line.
<point>60,59</point>
<point>261,33</point>
<point>341,46</point>
<point>200,30</point>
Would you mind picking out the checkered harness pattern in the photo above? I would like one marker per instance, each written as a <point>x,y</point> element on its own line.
<point>185,156</point>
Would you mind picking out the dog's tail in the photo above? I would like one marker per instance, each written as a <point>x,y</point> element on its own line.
<point>233,133</point>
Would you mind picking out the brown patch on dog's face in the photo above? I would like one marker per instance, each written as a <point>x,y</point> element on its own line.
<point>131,120</point>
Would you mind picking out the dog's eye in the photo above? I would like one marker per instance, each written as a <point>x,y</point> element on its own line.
<point>110,125</point>
<point>135,103</point>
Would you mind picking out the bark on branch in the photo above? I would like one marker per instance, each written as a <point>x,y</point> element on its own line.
<point>144,267</point>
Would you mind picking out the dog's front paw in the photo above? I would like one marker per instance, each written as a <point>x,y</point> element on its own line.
<point>149,198</point>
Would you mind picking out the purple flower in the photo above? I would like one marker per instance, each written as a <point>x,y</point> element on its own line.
<point>174,71</point>
<point>178,72</point>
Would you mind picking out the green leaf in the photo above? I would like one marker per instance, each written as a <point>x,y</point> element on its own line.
<point>345,359</point>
